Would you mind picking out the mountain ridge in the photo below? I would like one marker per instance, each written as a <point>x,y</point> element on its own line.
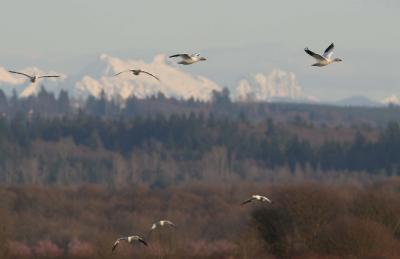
<point>176,81</point>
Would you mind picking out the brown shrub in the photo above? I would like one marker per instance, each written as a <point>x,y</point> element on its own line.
<point>292,224</point>
<point>19,249</point>
<point>360,238</point>
<point>378,205</point>
<point>305,221</point>
<point>46,248</point>
<point>77,248</point>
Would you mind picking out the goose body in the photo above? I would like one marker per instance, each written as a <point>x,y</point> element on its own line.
<point>33,78</point>
<point>188,59</point>
<point>130,240</point>
<point>324,59</point>
<point>162,223</point>
<point>258,198</point>
<point>137,72</point>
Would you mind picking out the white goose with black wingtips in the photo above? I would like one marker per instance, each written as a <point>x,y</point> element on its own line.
<point>324,59</point>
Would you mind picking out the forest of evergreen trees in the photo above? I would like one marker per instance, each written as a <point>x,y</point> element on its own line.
<point>160,141</point>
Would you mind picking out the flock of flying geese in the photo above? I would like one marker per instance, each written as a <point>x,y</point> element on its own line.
<point>188,59</point>
<point>136,239</point>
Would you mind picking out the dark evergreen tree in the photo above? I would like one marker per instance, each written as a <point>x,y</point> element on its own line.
<point>63,102</point>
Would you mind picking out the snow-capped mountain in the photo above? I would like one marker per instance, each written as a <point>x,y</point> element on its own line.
<point>278,84</point>
<point>175,81</point>
<point>99,76</point>
<point>393,99</point>
<point>22,84</point>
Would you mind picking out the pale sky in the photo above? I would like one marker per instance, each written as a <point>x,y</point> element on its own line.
<point>240,38</point>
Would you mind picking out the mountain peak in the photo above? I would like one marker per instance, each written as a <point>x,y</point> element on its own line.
<point>175,81</point>
<point>392,99</point>
<point>358,100</point>
<point>160,59</point>
<point>266,87</point>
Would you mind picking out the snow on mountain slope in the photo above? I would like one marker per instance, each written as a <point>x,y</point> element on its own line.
<point>6,78</point>
<point>174,82</point>
<point>261,87</point>
<point>24,87</point>
<point>393,99</point>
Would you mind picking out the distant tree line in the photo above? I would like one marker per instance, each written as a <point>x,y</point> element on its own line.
<point>49,104</point>
<point>91,146</point>
<point>45,103</point>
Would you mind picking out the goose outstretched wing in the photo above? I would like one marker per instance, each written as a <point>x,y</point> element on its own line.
<point>314,55</point>
<point>329,51</point>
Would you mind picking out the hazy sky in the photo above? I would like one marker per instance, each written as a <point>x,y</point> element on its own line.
<point>239,37</point>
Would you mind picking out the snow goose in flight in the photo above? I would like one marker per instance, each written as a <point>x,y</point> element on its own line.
<point>325,59</point>
<point>259,198</point>
<point>188,59</point>
<point>32,78</point>
<point>162,223</point>
<point>130,240</point>
<point>137,72</point>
